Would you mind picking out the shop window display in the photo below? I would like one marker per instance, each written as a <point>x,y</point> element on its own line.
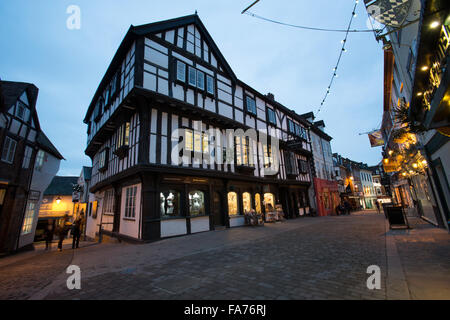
<point>232,204</point>
<point>258,203</point>
<point>246,202</point>
<point>196,203</point>
<point>170,204</point>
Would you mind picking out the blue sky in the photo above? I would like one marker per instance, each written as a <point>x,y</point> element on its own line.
<point>295,65</point>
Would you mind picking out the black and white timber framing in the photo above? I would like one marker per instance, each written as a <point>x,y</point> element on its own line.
<point>170,75</point>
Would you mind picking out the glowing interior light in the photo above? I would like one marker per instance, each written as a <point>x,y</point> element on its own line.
<point>434,24</point>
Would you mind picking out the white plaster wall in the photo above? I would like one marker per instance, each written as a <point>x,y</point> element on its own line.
<point>40,182</point>
<point>128,226</point>
<point>237,221</point>
<point>173,227</point>
<point>199,224</point>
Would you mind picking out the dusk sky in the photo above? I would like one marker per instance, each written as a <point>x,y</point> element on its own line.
<point>295,65</point>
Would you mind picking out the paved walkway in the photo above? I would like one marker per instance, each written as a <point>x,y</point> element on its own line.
<point>308,258</point>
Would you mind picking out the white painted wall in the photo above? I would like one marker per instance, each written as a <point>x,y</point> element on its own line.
<point>199,224</point>
<point>173,227</point>
<point>40,182</point>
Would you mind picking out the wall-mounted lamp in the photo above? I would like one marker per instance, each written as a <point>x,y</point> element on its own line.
<point>58,200</point>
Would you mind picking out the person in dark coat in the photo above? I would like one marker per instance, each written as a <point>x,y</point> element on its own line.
<point>49,231</point>
<point>76,230</point>
<point>377,204</point>
<point>63,230</point>
<point>347,207</point>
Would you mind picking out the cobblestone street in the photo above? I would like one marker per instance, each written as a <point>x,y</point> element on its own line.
<point>310,258</point>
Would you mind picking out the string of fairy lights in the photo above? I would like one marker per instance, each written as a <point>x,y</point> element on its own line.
<point>343,42</point>
<point>343,49</point>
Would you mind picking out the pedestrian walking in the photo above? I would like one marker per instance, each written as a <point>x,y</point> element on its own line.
<point>347,207</point>
<point>377,204</point>
<point>63,229</point>
<point>76,230</point>
<point>49,231</point>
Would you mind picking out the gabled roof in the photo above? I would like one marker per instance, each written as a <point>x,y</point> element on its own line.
<point>47,146</point>
<point>12,90</point>
<point>135,32</point>
<point>61,186</point>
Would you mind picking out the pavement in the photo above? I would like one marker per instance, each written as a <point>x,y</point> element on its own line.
<point>304,258</point>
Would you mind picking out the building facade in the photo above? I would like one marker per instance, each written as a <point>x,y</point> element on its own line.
<point>24,149</point>
<point>414,72</point>
<point>325,193</point>
<point>163,162</point>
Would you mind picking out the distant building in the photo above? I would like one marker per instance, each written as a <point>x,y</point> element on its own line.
<point>380,184</point>
<point>28,162</point>
<point>56,203</point>
<point>325,187</point>
<point>85,202</point>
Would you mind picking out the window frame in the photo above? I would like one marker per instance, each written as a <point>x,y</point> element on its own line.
<point>9,156</point>
<point>130,202</point>
<point>251,112</point>
<point>270,112</point>
<point>178,73</point>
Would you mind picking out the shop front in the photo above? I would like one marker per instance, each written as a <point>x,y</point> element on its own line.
<point>327,196</point>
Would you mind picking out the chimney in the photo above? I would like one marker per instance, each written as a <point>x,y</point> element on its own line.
<point>270,96</point>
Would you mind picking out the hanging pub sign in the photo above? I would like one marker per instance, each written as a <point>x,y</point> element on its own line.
<point>391,13</point>
<point>376,138</point>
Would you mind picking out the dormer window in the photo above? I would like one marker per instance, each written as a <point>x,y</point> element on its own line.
<point>251,105</point>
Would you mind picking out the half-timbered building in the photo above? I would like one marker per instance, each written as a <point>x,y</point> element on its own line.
<point>28,163</point>
<point>170,76</point>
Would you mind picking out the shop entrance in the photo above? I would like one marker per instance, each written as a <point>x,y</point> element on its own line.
<point>217,210</point>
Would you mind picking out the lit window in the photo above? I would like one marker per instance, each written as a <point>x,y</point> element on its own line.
<point>170,204</point>
<point>246,202</point>
<point>9,149</point>
<point>197,142</point>
<point>243,151</point>
<point>205,143</point>
<point>189,144</point>
<point>210,84</point>
<point>232,204</point>
<point>269,202</point>
<point>123,135</point>
<point>29,217</point>
<point>196,203</point>
<point>200,80</point>
<point>130,202</point>
<point>258,203</point>
<point>181,71</point>
<point>251,105</point>
<point>267,156</point>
